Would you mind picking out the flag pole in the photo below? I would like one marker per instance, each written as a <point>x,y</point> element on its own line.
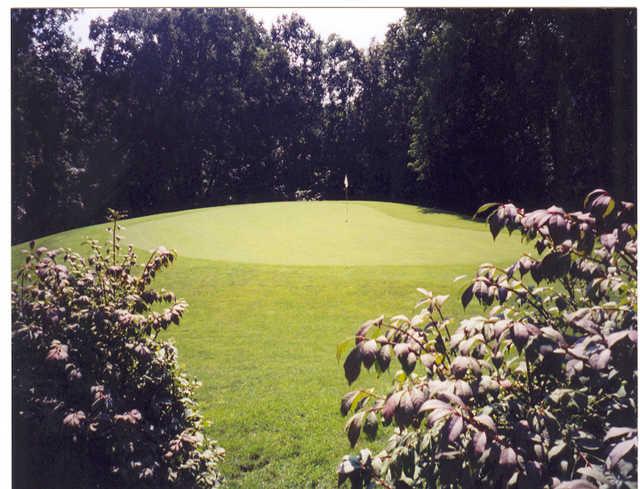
<point>346,196</point>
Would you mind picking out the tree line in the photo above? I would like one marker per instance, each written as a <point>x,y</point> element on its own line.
<point>179,108</point>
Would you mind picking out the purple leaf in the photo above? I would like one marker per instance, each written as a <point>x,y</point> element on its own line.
<point>390,406</point>
<point>368,350</point>
<point>57,352</point>
<point>594,193</point>
<point>130,417</point>
<point>434,404</point>
<point>587,325</point>
<point>485,421</point>
<point>354,428</point>
<point>452,398</point>
<point>352,365</point>
<point>613,338</point>
<point>467,295</point>
<point>609,240</point>
<point>507,457</point>
<point>557,227</point>
<point>462,389</point>
<point>520,335</point>
<point>404,411</point>
<point>619,451</point>
<point>74,420</point>
<point>384,357</point>
<point>362,331</point>
<point>401,349</point>
<point>602,359</point>
<point>459,366</point>
<point>456,425</point>
<point>576,484</point>
<point>615,432</point>
<point>427,360</point>
<point>496,223</point>
<point>408,362</point>
<point>553,334</point>
<point>417,398</point>
<point>371,425</point>
<point>479,442</point>
<point>438,414</point>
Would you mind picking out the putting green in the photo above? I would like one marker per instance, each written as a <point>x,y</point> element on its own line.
<point>318,233</point>
<point>261,334</point>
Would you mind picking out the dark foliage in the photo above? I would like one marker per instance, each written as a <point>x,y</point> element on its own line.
<point>538,392</point>
<point>509,99</point>
<point>455,107</point>
<point>98,399</point>
<point>48,134</point>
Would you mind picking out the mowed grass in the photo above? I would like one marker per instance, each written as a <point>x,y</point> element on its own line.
<point>272,289</point>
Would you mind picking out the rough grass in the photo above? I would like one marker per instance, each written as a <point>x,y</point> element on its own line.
<point>272,289</point>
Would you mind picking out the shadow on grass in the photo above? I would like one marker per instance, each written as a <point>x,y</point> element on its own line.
<point>462,217</point>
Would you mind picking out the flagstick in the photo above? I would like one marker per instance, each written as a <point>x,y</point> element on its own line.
<point>346,197</point>
<point>346,194</point>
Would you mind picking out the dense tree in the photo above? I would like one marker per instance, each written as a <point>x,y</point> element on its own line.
<point>181,88</point>
<point>47,122</point>
<point>523,104</point>
<point>385,107</point>
<point>179,108</point>
<point>340,135</point>
<point>294,88</point>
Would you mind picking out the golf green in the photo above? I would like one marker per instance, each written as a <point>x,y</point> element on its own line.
<point>272,289</point>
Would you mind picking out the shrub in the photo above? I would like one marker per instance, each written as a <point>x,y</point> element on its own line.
<point>540,391</point>
<point>98,399</point>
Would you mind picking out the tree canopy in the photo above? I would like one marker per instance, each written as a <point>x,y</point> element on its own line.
<point>181,108</point>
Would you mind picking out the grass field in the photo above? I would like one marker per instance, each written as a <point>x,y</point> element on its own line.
<point>272,289</point>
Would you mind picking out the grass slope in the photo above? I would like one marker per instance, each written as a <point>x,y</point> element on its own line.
<point>272,289</point>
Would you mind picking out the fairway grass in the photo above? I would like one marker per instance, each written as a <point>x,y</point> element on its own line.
<point>272,289</point>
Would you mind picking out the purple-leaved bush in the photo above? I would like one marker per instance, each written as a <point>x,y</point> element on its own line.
<point>538,392</point>
<point>98,399</point>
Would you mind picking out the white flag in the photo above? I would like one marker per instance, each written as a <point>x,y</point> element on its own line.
<point>346,182</point>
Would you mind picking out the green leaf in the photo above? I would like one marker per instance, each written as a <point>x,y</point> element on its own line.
<point>610,207</point>
<point>485,207</point>
<point>348,400</point>
<point>343,346</point>
<point>357,400</point>
<point>557,449</point>
<point>400,377</point>
<point>513,480</point>
<point>557,395</point>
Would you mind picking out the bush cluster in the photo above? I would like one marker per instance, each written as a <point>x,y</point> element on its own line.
<point>98,399</point>
<point>539,391</point>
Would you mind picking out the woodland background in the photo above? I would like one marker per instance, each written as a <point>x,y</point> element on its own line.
<point>183,108</point>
